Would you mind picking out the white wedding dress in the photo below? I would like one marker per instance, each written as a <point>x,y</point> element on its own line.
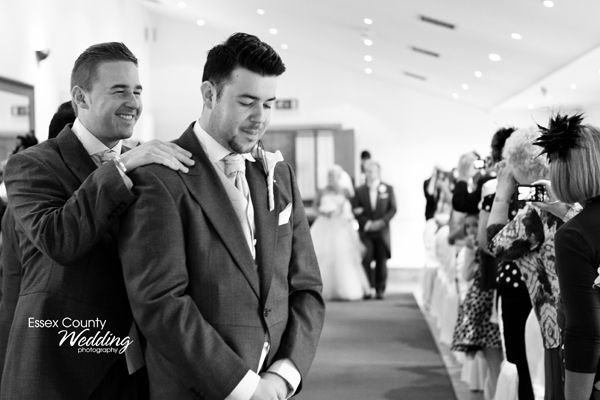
<point>338,249</point>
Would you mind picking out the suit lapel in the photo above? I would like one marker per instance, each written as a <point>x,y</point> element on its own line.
<point>266,224</point>
<point>74,154</point>
<point>206,188</point>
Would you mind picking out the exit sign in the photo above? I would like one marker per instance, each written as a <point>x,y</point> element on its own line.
<point>286,104</point>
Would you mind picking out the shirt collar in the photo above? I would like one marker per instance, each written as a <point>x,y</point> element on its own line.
<point>91,143</point>
<point>214,150</point>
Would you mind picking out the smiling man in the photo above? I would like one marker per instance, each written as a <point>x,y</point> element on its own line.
<point>66,196</point>
<point>219,263</point>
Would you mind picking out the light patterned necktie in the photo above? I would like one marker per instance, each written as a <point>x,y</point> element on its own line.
<point>235,169</point>
<point>104,156</point>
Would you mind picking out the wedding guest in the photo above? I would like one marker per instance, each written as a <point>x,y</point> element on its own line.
<point>66,195</point>
<point>64,115</point>
<point>573,150</point>
<point>524,248</point>
<point>474,330</point>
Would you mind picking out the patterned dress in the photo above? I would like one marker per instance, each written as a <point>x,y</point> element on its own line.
<point>528,242</point>
<point>474,331</point>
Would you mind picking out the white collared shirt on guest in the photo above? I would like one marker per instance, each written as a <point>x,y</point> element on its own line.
<point>93,146</point>
<point>373,192</point>
<point>285,368</point>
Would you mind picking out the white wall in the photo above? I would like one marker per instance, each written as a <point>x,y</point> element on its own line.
<point>66,27</point>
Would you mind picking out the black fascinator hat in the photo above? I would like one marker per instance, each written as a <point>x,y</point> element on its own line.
<point>560,136</point>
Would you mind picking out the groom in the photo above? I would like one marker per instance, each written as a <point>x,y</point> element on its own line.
<point>218,263</point>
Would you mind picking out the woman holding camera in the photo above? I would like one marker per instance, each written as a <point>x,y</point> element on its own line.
<point>573,150</point>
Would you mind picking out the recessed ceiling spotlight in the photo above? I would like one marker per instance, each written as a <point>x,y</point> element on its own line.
<point>273,31</point>
<point>477,74</point>
<point>284,46</point>
<point>455,96</point>
<point>530,106</point>
<point>494,57</point>
<point>368,21</point>
<point>200,22</point>
<point>464,86</point>
<point>368,42</point>
<point>368,71</point>
<point>572,86</point>
<point>548,3</point>
<point>260,11</point>
<point>181,4</point>
<point>516,36</point>
<point>368,58</point>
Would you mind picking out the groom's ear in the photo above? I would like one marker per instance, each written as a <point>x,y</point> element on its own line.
<point>209,94</point>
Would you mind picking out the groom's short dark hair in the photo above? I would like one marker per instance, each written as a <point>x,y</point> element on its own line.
<point>241,50</point>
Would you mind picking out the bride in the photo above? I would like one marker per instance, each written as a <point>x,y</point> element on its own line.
<point>336,241</point>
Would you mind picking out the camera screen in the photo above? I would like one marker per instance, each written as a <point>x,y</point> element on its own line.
<point>531,193</point>
<point>479,164</point>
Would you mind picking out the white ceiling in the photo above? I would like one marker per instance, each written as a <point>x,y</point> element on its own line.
<point>556,51</point>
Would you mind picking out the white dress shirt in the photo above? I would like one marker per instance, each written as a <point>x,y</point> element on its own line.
<point>94,147</point>
<point>285,368</point>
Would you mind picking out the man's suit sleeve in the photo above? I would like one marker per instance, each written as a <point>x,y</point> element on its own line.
<point>64,227</point>
<point>152,246</point>
<point>306,306</point>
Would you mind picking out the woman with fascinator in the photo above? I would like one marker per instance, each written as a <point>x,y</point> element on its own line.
<point>573,150</point>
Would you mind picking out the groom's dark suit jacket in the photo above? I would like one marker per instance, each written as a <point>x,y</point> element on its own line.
<point>205,306</point>
<point>66,220</point>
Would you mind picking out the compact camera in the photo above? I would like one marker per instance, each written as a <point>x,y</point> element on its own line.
<point>535,193</point>
<point>479,164</point>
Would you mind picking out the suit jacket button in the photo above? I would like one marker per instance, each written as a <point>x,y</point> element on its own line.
<point>266,312</point>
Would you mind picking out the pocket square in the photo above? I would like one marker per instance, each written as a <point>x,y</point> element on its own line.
<point>284,216</point>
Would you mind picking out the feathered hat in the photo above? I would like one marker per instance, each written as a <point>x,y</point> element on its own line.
<point>560,136</point>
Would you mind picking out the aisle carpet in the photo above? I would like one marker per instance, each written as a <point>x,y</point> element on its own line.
<point>377,350</point>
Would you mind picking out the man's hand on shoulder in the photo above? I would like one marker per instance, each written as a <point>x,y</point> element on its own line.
<point>157,152</point>
<point>270,387</point>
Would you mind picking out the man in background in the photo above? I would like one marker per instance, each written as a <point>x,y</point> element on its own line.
<point>374,206</point>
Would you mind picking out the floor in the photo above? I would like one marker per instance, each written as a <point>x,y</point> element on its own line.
<point>408,280</point>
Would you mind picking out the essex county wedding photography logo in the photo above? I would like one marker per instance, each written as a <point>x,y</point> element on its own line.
<point>87,335</point>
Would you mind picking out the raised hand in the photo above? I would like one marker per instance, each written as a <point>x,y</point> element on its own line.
<point>157,152</point>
